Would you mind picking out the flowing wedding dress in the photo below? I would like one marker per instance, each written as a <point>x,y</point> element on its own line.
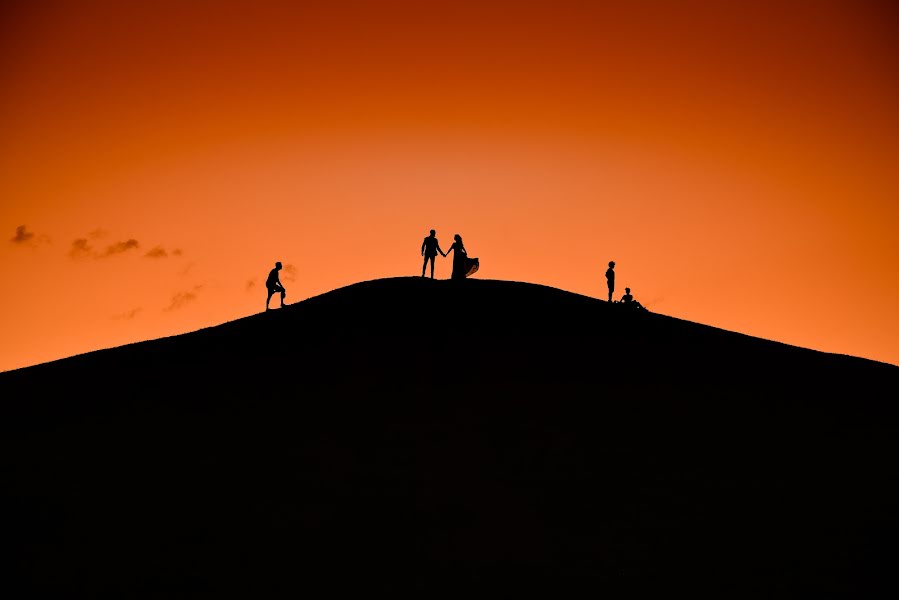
<point>463,266</point>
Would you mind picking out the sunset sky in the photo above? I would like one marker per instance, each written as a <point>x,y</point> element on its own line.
<point>738,160</point>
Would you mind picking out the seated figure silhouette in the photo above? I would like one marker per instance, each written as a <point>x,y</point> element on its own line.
<point>273,284</point>
<point>628,300</point>
<point>463,266</point>
<point>429,249</point>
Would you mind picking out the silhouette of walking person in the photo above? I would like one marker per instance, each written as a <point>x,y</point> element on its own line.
<point>429,249</point>
<point>610,278</point>
<point>629,301</point>
<point>273,284</point>
<point>462,265</point>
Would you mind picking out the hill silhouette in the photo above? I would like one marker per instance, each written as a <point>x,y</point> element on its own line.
<point>426,438</point>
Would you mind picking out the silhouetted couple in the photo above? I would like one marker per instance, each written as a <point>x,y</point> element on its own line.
<point>463,266</point>
<point>273,285</point>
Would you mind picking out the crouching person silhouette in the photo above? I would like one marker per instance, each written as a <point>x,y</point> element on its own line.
<point>273,283</point>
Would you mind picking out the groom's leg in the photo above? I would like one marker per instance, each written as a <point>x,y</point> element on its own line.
<point>433,258</point>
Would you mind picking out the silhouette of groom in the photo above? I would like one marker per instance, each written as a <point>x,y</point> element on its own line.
<point>273,284</point>
<point>429,249</point>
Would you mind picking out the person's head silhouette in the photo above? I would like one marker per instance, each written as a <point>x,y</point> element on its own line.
<point>278,265</point>
<point>612,264</point>
<point>433,233</point>
<point>458,238</point>
<point>627,290</point>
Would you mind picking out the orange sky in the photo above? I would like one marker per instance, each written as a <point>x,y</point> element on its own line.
<point>739,161</point>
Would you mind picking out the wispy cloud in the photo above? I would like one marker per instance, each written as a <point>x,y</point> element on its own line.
<point>127,315</point>
<point>82,248</point>
<point>250,284</point>
<point>181,299</point>
<point>120,247</point>
<point>290,272</point>
<point>157,252</point>
<point>161,252</point>
<point>23,237</point>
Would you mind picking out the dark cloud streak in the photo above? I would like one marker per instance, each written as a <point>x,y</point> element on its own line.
<point>161,252</point>
<point>81,249</point>
<point>157,252</point>
<point>23,236</point>
<point>29,239</point>
<point>120,247</point>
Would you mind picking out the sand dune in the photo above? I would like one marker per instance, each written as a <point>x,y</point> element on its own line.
<point>472,438</point>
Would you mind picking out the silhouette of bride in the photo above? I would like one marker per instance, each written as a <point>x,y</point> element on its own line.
<point>462,265</point>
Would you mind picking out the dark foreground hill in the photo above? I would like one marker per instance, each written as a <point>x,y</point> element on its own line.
<point>435,438</point>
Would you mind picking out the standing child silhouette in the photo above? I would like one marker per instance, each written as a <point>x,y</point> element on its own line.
<point>610,278</point>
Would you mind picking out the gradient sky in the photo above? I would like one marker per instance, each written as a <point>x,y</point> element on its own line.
<point>738,160</point>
